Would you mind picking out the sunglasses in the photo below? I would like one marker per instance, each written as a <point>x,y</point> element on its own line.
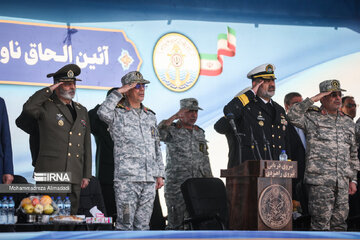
<point>335,94</point>
<point>140,85</point>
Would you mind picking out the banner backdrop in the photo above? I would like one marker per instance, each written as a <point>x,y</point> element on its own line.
<point>303,56</point>
<point>102,54</point>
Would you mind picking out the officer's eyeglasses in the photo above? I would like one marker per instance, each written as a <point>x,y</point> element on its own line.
<point>140,85</point>
<point>351,105</point>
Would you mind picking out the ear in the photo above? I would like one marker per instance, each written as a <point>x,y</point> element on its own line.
<point>253,83</point>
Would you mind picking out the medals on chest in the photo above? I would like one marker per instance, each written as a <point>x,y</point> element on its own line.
<point>283,122</point>
<point>260,119</point>
<point>60,119</point>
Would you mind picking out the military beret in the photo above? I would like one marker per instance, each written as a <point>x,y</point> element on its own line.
<point>265,71</point>
<point>190,104</point>
<point>66,74</point>
<point>330,86</point>
<point>133,77</point>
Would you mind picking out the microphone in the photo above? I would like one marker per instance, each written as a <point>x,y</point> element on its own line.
<point>230,117</point>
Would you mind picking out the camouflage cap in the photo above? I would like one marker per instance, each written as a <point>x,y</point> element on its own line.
<point>330,86</point>
<point>189,103</point>
<point>66,74</point>
<point>133,77</point>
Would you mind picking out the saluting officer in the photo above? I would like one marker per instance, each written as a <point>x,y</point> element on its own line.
<point>331,156</point>
<point>64,131</point>
<point>186,157</point>
<point>260,120</point>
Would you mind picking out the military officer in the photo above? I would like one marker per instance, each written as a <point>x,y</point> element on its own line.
<point>260,122</point>
<point>139,169</point>
<point>186,157</point>
<point>331,156</point>
<point>64,130</point>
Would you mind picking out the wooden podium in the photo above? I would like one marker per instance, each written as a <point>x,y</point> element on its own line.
<point>260,195</point>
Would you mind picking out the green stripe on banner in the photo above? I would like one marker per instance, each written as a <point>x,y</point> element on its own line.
<point>208,56</point>
<point>231,31</point>
<point>222,36</point>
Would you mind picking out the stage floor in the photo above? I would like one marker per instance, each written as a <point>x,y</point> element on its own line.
<point>179,235</point>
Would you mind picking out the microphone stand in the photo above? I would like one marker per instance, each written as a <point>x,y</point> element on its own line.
<point>254,145</point>
<point>238,138</point>
<point>266,145</point>
<point>230,117</point>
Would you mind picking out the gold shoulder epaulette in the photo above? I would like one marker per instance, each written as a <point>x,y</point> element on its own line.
<point>314,108</point>
<point>119,105</point>
<point>244,99</point>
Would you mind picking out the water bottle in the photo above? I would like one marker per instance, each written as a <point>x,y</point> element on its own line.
<point>1,213</point>
<point>283,156</point>
<point>67,206</point>
<point>60,205</point>
<point>11,211</point>
<point>5,208</point>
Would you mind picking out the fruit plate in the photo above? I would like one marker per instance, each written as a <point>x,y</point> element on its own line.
<point>68,219</point>
<point>38,205</point>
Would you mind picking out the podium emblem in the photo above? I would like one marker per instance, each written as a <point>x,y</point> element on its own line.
<point>275,206</point>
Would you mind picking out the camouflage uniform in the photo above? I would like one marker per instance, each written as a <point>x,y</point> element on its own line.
<point>186,157</point>
<point>137,159</point>
<point>331,163</point>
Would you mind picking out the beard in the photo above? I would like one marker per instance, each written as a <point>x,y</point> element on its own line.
<point>69,94</point>
<point>269,93</point>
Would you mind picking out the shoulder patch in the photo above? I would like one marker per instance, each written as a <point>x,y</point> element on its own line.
<point>119,105</point>
<point>149,110</point>
<point>345,115</point>
<point>78,104</point>
<point>244,99</point>
<point>197,128</point>
<point>313,109</point>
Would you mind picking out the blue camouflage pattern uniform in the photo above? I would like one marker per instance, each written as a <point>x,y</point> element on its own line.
<point>137,159</point>
<point>331,163</point>
<point>186,157</point>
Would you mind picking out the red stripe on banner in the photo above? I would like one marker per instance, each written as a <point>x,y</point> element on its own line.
<point>210,72</point>
<point>226,52</point>
<point>232,47</point>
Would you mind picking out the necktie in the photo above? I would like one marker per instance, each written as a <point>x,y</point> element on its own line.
<point>271,110</point>
<point>72,111</point>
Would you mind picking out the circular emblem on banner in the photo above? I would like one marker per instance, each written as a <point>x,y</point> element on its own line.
<point>176,62</point>
<point>275,206</point>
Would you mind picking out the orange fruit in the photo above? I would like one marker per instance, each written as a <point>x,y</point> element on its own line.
<point>25,201</point>
<point>45,200</point>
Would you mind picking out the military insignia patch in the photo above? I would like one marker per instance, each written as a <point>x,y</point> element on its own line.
<point>269,68</point>
<point>202,147</point>
<point>283,121</point>
<point>83,122</point>
<point>335,84</point>
<point>59,116</point>
<point>70,74</point>
<point>153,132</point>
<point>260,117</point>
